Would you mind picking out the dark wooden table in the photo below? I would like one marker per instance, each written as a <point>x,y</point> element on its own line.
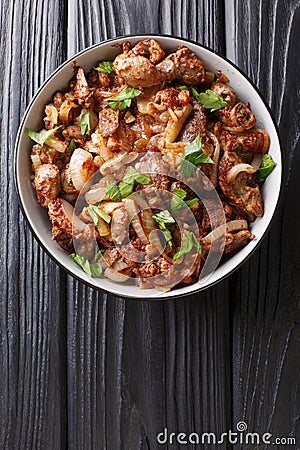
<point>80,369</point>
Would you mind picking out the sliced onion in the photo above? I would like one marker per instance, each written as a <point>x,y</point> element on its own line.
<point>148,222</point>
<point>120,265</point>
<point>57,144</point>
<point>256,161</point>
<point>238,168</point>
<point>65,109</point>
<point>36,162</point>
<point>93,119</point>
<point>109,207</point>
<point>95,194</point>
<point>216,156</point>
<point>133,214</point>
<point>113,275</point>
<point>117,162</point>
<point>154,238</point>
<point>81,167</point>
<point>228,227</point>
<point>69,212</point>
<point>237,129</point>
<point>173,127</point>
<point>52,113</point>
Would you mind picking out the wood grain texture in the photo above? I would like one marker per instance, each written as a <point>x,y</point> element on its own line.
<point>32,310</point>
<point>265,293</point>
<point>81,369</point>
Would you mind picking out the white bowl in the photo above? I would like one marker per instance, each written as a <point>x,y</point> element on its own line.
<point>37,216</point>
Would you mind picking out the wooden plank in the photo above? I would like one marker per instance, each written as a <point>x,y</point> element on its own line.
<point>136,367</point>
<point>32,342</point>
<point>265,292</point>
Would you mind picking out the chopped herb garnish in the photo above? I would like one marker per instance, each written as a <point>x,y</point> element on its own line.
<point>125,187</point>
<point>193,154</point>
<point>42,136</point>
<point>123,99</point>
<point>84,122</point>
<point>105,67</point>
<point>266,166</point>
<point>95,212</point>
<point>72,145</point>
<point>178,201</point>
<point>162,218</point>
<point>209,99</point>
<point>112,190</point>
<point>93,269</point>
<point>189,241</point>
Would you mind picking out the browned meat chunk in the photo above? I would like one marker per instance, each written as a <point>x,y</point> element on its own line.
<point>149,48</point>
<point>196,123</point>
<point>63,239</point>
<point>66,181</point>
<point>184,66</point>
<point>137,71</point>
<point>236,119</point>
<point>47,183</point>
<point>108,121</point>
<point>58,217</point>
<point>74,132</point>
<point>233,241</point>
<point>42,155</point>
<point>110,256</point>
<point>243,191</point>
<point>82,91</point>
<point>87,241</point>
<point>58,99</point>
<point>172,98</point>
<point>81,88</point>
<point>254,141</point>
<point>226,92</point>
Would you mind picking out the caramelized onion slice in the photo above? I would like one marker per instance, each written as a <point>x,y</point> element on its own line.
<point>256,161</point>
<point>228,227</point>
<point>238,168</point>
<point>113,275</point>
<point>133,214</point>
<point>95,194</point>
<point>69,212</point>
<point>117,162</point>
<point>216,156</point>
<point>81,167</point>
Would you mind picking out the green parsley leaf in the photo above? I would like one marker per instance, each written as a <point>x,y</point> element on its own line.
<point>266,166</point>
<point>42,136</point>
<point>191,202</point>
<point>189,241</point>
<point>125,187</point>
<point>72,145</point>
<point>95,212</point>
<point>94,269</point>
<point>84,122</point>
<point>112,190</point>
<point>105,67</point>
<point>192,154</point>
<point>123,99</point>
<point>162,218</point>
<point>211,100</point>
<point>178,201</point>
